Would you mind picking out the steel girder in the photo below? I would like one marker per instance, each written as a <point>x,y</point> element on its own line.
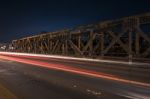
<point>122,37</point>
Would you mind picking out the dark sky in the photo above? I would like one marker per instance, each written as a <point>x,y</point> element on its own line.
<point>19,18</point>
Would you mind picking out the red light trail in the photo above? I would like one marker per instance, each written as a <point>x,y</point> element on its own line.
<point>73,70</point>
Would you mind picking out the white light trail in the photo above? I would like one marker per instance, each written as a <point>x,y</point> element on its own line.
<point>80,59</point>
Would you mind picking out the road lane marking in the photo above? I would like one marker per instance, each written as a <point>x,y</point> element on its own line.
<point>6,94</point>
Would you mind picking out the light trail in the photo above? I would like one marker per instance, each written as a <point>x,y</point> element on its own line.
<point>45,58</point>
<point>52,59</point>
<point>74,70</point>
<point>73,58</point>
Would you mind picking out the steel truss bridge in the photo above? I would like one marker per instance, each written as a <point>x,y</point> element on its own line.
<point>126,37</point>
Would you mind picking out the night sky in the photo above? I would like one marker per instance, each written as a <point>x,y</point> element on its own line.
<point>19,18</point>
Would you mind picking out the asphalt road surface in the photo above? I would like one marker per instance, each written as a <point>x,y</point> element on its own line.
<point>36,77</point>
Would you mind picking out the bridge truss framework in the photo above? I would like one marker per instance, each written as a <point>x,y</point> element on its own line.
<point>124,37</point>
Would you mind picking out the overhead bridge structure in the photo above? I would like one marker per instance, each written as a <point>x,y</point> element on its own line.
<point>124,37</point>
